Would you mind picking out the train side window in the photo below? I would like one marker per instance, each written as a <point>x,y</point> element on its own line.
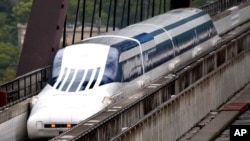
<point>111,68</point>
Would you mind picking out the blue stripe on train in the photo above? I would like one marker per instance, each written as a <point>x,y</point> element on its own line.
<point>146,37</point>
<point>179,23</point>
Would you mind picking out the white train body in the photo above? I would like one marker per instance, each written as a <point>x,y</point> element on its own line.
<point>234,17</point>
<point>87,74</point>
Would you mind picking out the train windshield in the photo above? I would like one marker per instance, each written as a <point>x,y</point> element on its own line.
<point>72,79</point>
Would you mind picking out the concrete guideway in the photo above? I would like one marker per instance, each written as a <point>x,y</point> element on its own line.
<point>225,116</point>
<point>13,122</point>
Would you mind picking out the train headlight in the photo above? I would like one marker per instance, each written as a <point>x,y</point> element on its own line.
<point>56,125</point>
<point>106,100</point>
<point>33,101</point>
<point>68,125</point>
<point>53,125</point>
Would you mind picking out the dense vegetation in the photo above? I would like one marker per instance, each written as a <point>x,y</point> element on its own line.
<point>13,12</point>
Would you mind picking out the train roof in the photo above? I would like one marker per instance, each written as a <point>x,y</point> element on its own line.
<point>167,20</point>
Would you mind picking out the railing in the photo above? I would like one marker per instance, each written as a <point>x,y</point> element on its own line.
<point>108,16</point>
<point>218,6</point>
<point>114,14</point>
<point>25,86</point>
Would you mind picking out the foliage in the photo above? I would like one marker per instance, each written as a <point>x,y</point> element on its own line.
<point>8,34</point>
<point>3,17</point>
<point>199,3</point>
<point>8,29</point>
<point>72,10</point>
<point>8,74</point>
<point>5,6</point>
<point>21,11</point>
<point>8,41</point>
<point>8,56</point>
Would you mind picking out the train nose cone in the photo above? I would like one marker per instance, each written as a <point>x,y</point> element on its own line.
<point>40,123</point>
<point>59,111</point>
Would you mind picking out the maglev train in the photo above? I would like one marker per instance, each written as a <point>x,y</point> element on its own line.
<point>87,75</point>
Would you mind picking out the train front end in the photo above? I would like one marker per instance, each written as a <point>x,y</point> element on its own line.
<point>75,92</point>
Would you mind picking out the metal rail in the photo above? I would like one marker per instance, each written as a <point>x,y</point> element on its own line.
<point>143,10</point>
<point>25,86</point>
<point>218,6</point>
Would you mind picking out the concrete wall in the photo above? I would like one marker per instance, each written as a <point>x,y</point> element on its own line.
<point>13,122</point>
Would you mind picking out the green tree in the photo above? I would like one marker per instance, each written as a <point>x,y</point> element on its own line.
<point>8,34</point>
<point>199,3</point>
<point>8,29</point>
<point>3,16</point>
<point>9,55</point>
<point>8,74</point>
<point>21,11</point>
<point>5,6</point>
<point>72,10</point>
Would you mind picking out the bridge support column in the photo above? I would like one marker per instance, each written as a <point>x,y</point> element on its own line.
<point>43,34</point>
